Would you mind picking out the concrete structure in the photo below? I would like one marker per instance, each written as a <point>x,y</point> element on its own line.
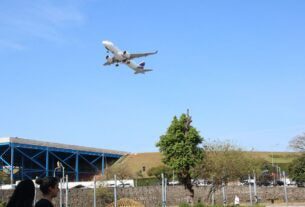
<point>25,158</point>
<point>151,196</point>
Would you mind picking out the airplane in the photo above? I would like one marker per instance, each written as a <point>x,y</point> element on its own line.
<point>126,58</point>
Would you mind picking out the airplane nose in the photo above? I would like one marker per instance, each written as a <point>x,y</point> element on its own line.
<point>106,42</point>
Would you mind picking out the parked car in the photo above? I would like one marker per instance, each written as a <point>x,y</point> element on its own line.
<point>173,182</point>
<point>246,182</point>
<point>201,182</point>
<point>301,184</point>
<point>279,182</point>
<point>126,185</point>
<point>264,183</point>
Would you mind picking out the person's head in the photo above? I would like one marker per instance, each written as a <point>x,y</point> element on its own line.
<point>23,195</point>
<point>48,186</point>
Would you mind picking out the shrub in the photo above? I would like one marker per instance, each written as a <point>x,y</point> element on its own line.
<point>148,181</point>
<point>104,195</point>
<point>184,205</point>
<point>126,202</point>
<point>2,204</point>
<point>199,205</point>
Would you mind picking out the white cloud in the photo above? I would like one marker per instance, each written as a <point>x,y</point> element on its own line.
<point>11,45</point>
<point>38,19</point>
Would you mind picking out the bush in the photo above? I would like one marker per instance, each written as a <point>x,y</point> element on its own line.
<point>124,202</point>
<point>148,181</point>
<point>184,205</point>
<point>104,195</point>
<point>199,205</point>
<point>2,204</point>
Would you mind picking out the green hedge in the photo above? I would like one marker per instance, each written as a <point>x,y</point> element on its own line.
<point>2,204</point>
<point>147,181</point>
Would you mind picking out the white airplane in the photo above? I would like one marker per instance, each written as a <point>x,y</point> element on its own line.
<point>125,57</point>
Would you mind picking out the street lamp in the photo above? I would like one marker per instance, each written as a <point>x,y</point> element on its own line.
<point>60,166</point>
<point>273,165</point>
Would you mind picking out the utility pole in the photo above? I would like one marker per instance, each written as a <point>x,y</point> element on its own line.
<point>285,189</point>
<point>94,191</point>
<point>250,192</point>
<point>254,188</point>
<point>173,180</point>
<point>224,197</point>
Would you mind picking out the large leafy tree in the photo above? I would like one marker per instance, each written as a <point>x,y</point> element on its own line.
<point>180,149</point>
<point>297,169</point>
<point>224,162</point>
<point>121,171</point>
<point>298,143</point>
<point>157,171</point>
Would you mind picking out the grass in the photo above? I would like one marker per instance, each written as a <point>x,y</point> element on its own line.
<point>278,157</point>
<point>144,161</point>
<point>206,205</point>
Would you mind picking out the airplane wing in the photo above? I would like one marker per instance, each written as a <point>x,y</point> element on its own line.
<point>137,55</point>
<point>107,63</point>
<point>111,60</point>
<point>142,71</point>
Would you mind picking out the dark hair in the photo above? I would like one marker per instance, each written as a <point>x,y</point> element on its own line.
<point>45,183</point>
<point>23,195</point>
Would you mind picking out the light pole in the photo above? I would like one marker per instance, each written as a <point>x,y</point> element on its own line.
<point>272,161</point>
<point>173,180</point>
<point>60,166</point>
<point>273,146</point>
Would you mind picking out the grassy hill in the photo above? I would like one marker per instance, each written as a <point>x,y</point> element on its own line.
<point>140,162</point>
<point>278,157</point>
<point>144,161</point>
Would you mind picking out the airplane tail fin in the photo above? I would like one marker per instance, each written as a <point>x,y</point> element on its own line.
<point>141,65</point>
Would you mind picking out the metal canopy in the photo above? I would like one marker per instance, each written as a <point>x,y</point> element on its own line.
<point>25,158</point>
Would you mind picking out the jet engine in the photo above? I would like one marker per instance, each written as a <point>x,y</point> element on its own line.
<point>109,59</point>
<point>125,54</point>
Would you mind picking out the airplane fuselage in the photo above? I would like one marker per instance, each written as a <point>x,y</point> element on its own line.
<point>119,55</point>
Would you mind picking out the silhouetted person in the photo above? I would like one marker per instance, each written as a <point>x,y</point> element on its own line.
<point>49,189</point>
<point>23,195</point>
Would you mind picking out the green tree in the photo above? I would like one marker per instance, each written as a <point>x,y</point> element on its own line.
<point>224,162</point>
<point>4,178</point>
<point>180,148</point>
<point>298,143</point>
<point>296,169</point>
<point>121,171</point>
<point>157,171</point>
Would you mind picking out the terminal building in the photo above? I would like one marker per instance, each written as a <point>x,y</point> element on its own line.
<point>27,159</point>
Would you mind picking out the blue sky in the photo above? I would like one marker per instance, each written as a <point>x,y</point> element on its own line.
<point>239,66</point>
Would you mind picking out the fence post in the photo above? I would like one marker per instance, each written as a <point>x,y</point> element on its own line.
<point>254,188</point>
<point>213,192</point>
<point>67,191</point>
<point>60,193</point>
<point>162,188</point>
<point>285,188</point>
<point>250,191</point>
<point>224,199</point>
<point>94,191</point>
<point>165,189</point>
<point>115,196</point>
